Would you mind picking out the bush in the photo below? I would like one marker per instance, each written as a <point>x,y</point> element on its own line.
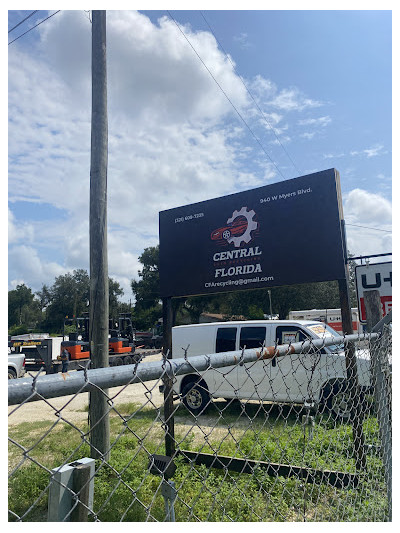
<point>18,330</point>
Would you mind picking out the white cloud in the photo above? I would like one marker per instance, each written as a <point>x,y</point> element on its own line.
<point>19,232</point>
<point>308,135</point>
<point>370,152</point>
<point>293,100</point>
<point>362,208</point>
<point>35,272</point>
<point>320,121</point>
<point>242,39</point>
<point>261,87</point>
<point>169,142</point>
<point>285,100</point>
<point>333,156</point>
<point>157,75</point>
<point>173,137</point>
<point>365,207</point>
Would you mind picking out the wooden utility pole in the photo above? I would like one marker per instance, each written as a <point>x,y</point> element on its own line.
<point>99,297</point>
<point>373,308</point>
<point>81,486</point>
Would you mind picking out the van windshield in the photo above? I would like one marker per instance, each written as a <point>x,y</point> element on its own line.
<point>323,331</point>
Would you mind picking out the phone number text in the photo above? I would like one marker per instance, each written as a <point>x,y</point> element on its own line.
<point>189,217</point>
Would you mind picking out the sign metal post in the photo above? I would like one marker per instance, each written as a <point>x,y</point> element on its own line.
<point>168,399</point>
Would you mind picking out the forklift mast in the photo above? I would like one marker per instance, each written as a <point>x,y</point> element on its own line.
<point>125,326</point>
<point>81,325</point>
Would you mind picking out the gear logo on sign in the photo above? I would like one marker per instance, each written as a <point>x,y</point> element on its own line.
<point>238,230</point>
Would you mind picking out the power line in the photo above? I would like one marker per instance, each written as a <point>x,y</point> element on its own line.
<point>226,96</point>
<point>38,24</point>
<point>251,96</point>
<point>368,227</point>
<point>19,23</point>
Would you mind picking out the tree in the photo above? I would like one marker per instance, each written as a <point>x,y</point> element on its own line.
<point>115,291</point>
<point>147,290</point>
<point>323,295</point>
<point>22,310</point>
<point>44,297</point>
<point>46,309</point>
<point>195,306</point>
<point>69,296</point>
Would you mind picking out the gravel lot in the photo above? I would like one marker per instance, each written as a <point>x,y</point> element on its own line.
<point>75,410</point>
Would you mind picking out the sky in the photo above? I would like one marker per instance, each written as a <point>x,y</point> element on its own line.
<point>201,104</point>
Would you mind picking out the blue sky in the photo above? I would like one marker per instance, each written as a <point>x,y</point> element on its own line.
<point>313,87</point>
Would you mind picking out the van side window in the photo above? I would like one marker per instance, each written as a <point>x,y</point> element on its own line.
<point>287,334</point>
<point>252,337</point>
<point>226,340</point>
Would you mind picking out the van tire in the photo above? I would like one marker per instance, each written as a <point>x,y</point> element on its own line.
<point>195,397</point>
<point>335,399</point>
<point>12,374</point>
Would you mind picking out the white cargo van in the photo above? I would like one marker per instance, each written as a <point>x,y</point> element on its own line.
<point>318,376</point>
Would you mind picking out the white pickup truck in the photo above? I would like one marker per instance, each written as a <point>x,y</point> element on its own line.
<point>16,365</point>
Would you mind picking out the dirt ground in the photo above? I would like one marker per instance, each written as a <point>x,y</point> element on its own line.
<point>74,407</point>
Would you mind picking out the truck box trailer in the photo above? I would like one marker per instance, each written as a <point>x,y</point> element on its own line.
<point>331,317</point>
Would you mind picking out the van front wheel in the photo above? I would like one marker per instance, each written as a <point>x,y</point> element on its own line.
<point>336,400</point>
<point>195,397</point>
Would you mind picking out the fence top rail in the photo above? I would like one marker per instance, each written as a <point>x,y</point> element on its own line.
<point>56,385</point>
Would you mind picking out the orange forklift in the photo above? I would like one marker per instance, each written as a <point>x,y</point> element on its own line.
<point>121,340</point>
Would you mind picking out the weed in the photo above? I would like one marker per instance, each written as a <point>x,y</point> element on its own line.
<point>126,491</point>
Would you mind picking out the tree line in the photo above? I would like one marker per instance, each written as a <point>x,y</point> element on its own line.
<point>45,310</point>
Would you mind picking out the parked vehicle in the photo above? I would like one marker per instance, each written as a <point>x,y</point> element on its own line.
<point>40,350</point>
<point>332,317</point>
<point>43,351</point>
<point>121,340</point>
<point>16,365</point>
<point>317,376</point>
<point>150,339</point>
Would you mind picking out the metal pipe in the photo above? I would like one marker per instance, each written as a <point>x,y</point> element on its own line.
<point>54,385</point>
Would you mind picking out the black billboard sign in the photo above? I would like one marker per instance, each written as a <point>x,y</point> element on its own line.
<point>281,234</point>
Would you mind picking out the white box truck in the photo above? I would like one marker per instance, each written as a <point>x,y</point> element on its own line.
<point>332,317</point>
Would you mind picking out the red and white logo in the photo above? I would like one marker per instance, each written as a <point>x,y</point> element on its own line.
<point>238,230</point>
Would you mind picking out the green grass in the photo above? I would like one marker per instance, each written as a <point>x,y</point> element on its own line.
<point>125,490</point>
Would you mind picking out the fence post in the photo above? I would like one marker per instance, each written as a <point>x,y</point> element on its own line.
<point>81,487</point>
<point>168,400</point>
<point>373,310</point>
<point>63,484</point>
<point>352,378</point>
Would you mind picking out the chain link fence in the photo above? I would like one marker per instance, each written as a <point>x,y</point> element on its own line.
<point>273,434</point>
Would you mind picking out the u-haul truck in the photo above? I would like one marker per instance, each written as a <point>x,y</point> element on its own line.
<point>332,317</point>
